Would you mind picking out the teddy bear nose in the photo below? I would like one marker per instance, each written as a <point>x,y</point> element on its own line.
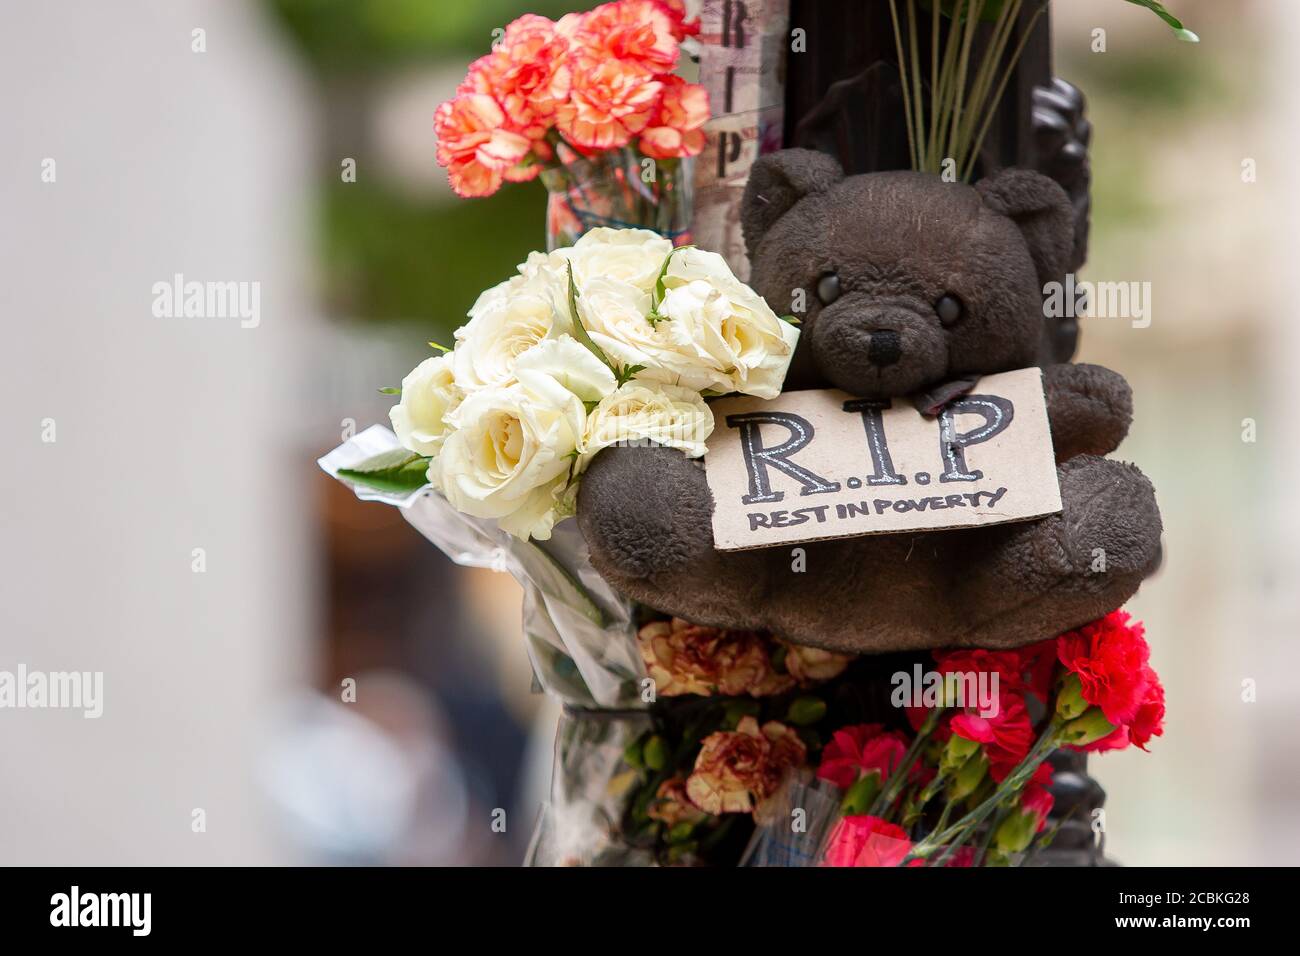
<point>885,348</point>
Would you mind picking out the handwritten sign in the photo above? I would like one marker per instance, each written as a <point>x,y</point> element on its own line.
<point>822,464</point>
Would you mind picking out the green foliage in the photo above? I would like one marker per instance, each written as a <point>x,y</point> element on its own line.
<point>388,257</point>
<point>396,470</point>
<point>340,35</point>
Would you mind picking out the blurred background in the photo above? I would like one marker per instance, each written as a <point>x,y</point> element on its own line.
<point>178,536</point>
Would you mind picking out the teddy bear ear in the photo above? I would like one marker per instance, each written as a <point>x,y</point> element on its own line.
<point>779,180</point>
<point>1042,211</point>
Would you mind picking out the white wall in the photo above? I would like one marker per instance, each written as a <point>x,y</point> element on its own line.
<point>172,433</point>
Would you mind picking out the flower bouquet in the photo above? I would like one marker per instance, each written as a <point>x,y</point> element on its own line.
<point>618,339</point>
<point>953,772</point>
<point>591,104</point>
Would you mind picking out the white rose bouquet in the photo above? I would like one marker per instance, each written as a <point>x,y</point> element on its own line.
<point>615,340</point>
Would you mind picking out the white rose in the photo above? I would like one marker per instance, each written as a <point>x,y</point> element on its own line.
<point>571,364</point>
<point>511,453</point>
<point>634,256</point>
<point>428,395</point>
<point>503,327</point>
<point>729,322</point>
<point>640,412</point>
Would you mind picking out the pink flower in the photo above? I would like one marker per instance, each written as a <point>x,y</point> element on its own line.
<point>856,751</point>
<point>474,144</point>
<point>866,841</point>
<point>675,130</point>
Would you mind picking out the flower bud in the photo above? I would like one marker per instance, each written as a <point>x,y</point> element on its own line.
<point>1016,831</point>
<point>1089,728</point>
<point>1069,699</point>
<point>861,795</point>
<point>805,711</point>
<point>970,776</point>
<point>956,752</point>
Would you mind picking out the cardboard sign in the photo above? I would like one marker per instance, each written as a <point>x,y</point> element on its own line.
<point>822,464</point>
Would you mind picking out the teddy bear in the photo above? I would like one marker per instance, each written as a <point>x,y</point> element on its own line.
<point>914,288</point>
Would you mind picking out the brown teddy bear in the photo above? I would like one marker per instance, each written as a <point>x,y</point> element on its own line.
<point>914,288</point>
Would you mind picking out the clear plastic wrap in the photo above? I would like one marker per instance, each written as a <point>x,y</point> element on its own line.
<point>581,639</point>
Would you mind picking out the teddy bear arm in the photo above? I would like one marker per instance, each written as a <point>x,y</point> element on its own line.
<point>645,510</point>
<point>647,516</point>
<point>1089,407</point>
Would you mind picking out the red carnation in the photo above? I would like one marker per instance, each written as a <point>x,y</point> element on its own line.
<point>1150,718</point>
<point>866,841</point>
<point>1110,658</point>
<point>1008,665</point>
<point>1006,737</point>
<point>858,750</point>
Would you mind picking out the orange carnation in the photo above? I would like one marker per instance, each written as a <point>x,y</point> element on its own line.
<point>642,33</point>
<point>676,130</point>
<point>474,144</point>
<point>527,74</point>
<point>611,101</point>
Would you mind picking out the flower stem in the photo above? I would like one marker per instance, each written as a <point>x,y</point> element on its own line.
<point>1010,786</point>
<point>898,779</point>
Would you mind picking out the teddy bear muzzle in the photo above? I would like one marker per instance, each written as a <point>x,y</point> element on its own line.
<point>878,350</point>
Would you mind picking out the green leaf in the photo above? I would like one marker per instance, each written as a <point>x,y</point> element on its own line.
<point>621,375</point>
<point>396,470</point>
<point>625,374</point>
<point>579,330</point>
<point>440,348</point>
<point>792,319</point>
<point>1175,24</point>
<point>660,289</point>
<point>390,390</point>
<point>655,753</point>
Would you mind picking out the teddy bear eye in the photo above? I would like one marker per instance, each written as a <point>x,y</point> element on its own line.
<point>948,308</point>
<point>828,288</point>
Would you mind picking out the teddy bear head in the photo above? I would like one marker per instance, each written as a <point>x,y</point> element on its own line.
<point>903,281</point>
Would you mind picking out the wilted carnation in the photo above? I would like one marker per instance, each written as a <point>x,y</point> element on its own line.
<point>671,806</point>
<point>684,658</point>
<point>737,771</point>
<point>812,665</point>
